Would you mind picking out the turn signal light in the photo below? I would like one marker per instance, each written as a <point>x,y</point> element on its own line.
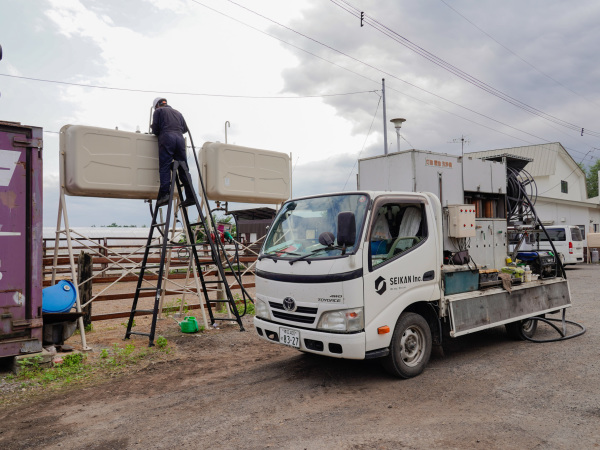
<point>383,330</point>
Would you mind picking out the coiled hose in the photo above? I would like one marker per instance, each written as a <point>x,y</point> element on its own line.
<point>517,191</point>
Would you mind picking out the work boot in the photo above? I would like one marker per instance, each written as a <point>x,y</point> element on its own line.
<point>188,202</point>
<point>162,201</point>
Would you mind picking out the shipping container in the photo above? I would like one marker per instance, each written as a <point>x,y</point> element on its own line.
<point>20,239</point>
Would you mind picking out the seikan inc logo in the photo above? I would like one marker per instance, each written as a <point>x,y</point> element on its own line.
<point>380,285</point>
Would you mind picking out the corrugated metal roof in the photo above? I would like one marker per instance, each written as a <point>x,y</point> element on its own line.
<point>543,155</point>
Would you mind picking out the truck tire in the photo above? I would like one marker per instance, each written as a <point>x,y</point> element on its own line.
<point>410,348</point>
<point>522,329</point>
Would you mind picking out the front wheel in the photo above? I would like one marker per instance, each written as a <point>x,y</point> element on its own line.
<point>522,329</point>
<point>410,348</point>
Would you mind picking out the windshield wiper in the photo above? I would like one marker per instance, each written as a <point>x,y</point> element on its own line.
<point>317,250</point>
<point>265,255</point>
<point>274,255</point>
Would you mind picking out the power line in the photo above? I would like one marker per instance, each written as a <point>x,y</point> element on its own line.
<point>375,68</point>
<point>517,55</point>
<point>458,72</point>
<point>572,172</point>
<point>344,68</point>
<point>184,93</point>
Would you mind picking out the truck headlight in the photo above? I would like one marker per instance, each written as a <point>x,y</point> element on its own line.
<point>262,309</point>
<point>345,320</point>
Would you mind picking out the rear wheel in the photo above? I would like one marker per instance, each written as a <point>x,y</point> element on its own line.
<point>522,329</point>
<point>410,348</point>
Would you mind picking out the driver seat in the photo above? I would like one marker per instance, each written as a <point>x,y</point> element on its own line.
<point>407,233</point>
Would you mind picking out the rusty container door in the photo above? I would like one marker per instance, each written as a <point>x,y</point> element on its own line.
<point>20,239</point>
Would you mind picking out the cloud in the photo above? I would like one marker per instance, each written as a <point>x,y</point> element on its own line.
<point>537,32</point>
<point>179,48</point>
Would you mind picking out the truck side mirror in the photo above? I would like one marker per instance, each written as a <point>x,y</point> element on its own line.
<point>346,228</point>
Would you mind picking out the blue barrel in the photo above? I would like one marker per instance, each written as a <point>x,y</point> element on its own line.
<point>58,298</point>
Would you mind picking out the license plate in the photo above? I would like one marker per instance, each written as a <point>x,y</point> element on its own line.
<point>289,337</point>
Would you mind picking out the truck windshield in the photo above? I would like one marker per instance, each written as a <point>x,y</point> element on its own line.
<point>297,227</point>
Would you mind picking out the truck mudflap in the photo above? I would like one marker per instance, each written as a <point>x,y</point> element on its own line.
<point>336,345</point>
<point>474,311</point>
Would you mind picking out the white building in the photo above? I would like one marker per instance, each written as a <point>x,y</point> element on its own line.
<point>561,188</point>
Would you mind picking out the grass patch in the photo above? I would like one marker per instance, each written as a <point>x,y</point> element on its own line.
<point>31,372</point>
<point>80,367</point>
<point>174,306</point>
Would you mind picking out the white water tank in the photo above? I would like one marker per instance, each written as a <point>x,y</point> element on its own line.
<point>243,174</point>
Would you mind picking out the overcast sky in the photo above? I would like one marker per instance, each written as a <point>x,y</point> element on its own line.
<point>212,58</point>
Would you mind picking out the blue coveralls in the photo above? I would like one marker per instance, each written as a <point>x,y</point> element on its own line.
<point>169,125</point>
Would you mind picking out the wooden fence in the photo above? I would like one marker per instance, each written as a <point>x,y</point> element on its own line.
<point>128,253</point>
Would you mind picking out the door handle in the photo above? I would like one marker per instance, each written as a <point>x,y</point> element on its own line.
<point>429,275</point>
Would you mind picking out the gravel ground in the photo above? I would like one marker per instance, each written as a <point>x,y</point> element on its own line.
<point>227,389</point>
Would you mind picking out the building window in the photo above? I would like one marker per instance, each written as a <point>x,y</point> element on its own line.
<point>564,187</point>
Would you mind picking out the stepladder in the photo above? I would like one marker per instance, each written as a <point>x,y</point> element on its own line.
<point>215,288</point>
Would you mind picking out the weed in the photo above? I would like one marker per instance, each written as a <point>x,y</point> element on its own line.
<point>75,367</point>
<point>32,373</point>
<point>89,328</point>
<point>240,305</point>
<point>30,364</point>
<point>162,342</point>
<point>73,359</point>
<point>126,323</point>
<point>118,357</point>
<point>174,306</point>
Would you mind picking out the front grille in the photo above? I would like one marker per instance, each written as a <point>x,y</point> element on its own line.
<point>299,309</point>
<point>280,313</point>
<point>293,317</point>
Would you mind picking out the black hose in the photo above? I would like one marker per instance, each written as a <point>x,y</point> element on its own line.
<point>563,335</point>
<point>245,295</point>
<point>531,210</point>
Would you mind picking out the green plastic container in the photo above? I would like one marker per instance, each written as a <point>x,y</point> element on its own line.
<point>189,325</point>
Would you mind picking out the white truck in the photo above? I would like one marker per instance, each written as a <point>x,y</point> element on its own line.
<point>364,275</point>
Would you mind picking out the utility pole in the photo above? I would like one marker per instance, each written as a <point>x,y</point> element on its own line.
<point>462,141</point>
<point>385,149</point>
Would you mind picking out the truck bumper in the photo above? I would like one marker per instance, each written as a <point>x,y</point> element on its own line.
<point>348,346</point>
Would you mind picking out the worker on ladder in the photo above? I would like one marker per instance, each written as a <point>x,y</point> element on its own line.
<point>169,125</point>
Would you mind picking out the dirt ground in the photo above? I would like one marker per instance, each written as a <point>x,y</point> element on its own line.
<point>228,389</point>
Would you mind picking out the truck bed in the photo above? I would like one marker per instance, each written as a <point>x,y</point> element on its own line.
<point>478,310</point>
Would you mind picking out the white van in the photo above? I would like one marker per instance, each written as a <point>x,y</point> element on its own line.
<point>568,242</point>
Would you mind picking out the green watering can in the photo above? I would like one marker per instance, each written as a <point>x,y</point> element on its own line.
<point>189,325</point>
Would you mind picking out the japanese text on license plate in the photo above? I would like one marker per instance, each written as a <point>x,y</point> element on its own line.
<point>289,337</point>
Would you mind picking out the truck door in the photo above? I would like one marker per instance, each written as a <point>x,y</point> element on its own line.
<point>400,261</point>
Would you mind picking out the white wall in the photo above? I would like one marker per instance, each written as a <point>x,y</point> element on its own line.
<point>550,186</point>
<point>572,214</point>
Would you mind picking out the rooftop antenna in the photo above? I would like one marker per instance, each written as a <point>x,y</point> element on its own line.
<point>398,124</point>
<point>227,124</point>
<point>462,141</point>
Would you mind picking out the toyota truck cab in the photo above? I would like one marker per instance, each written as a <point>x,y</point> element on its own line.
<point>336,271</point>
